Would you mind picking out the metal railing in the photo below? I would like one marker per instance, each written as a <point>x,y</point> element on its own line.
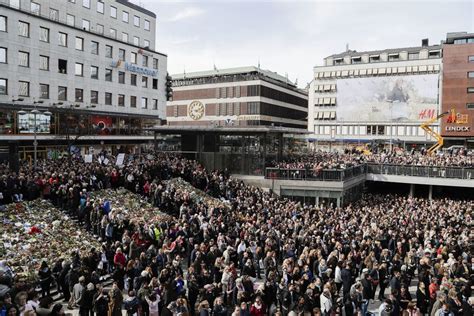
<point>315,175</point>
<point>349,173</point>
<point>422,171</point>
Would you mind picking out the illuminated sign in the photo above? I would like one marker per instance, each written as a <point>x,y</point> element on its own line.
<point>459,119</point>
<point>134,68</point>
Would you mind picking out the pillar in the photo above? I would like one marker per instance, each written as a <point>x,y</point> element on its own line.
<point>430,193</point>
<point>412,190</point>
<point>317,201</point>
<point>338,202</point>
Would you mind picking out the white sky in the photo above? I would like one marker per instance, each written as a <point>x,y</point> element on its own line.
<point>293,36</point>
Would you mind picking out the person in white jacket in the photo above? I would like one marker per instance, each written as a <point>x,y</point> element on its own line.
<point>326,302</point>
<point>153,302</point>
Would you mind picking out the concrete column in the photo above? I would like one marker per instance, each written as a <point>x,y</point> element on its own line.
<point>338,202</point>
<point>430,193</point>
<point>412,190</point>
<point>317,201</point>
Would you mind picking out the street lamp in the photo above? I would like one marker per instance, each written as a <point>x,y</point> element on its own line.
<point>391,121</point>
<point>35,142</point>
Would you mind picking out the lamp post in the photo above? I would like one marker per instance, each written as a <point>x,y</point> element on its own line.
<point>391,122</point>
<point>35,112</point>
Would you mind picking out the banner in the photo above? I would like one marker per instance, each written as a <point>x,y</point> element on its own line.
<point>102,124</point>
<point>120,159</point>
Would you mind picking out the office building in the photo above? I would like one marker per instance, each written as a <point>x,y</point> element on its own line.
<point>381,95</point>
<point>92,64</point>
<point>246,96</point>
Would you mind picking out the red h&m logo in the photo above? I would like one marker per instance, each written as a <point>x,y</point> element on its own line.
<point>426,114</point>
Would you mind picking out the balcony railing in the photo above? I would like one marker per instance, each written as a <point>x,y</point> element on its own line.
<point>313,175</point>
<point>349,173</point>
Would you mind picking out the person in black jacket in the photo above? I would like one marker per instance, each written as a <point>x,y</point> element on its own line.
<point>45,276</point>
<point>63,280</point>
<point>100,301</point>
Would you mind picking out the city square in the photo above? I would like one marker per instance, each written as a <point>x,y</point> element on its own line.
<point>156,162</point>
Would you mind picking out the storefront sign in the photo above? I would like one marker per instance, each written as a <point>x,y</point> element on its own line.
<point>248,117</point>
<point>134,68</point>
<point>463,129</point>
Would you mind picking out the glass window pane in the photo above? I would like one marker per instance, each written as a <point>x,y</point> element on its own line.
<point>70,20</point>
<point>125,16</point>
<point>113,12</point>
<point>100,7</point>
<point>3,23</point>
<point>44,34</point>
<point>147,25</point>
<point>24,89</point>
<point>62,93</point>
<point>44,91</point>
<point>44,63</point>
<point>136,20</point>
<point>3,55</point>
<point>3,87</point>
<point>23,59</point>
<point>23,29</point>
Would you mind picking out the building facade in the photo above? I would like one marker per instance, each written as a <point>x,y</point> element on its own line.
<point>92,64</point>
<point>458,89</point>
<point>376,95</point>
<point>247,96</point>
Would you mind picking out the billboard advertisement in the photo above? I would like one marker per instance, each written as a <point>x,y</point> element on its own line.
<point>26,123</point>
<point>411,98</point>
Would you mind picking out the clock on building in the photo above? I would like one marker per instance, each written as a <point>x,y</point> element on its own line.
<point>196,110</point>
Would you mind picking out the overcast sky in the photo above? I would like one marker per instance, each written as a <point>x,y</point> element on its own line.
<point>293,36</point>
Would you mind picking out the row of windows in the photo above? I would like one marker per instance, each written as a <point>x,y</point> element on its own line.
<point>24,28</point>
<point>44,36</point>
<point>377,71</point>
<point>325,88</point>
<point>464,41</point>
<point>223,109</point>
<point>364,130</point>
<point>44,89</point>
<point>391,57</point>
<point>228,92</point>
<point>24,61</point>
<point>325,115</point>
<point>113,13</point>
<point>325,102</point>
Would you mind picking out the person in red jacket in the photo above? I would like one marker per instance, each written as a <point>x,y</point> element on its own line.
<point>258,308</point>
<point>119,258</point>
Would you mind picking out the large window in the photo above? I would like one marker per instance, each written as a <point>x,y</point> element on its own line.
<point>471,59</point>
<point>62,39</point>
<point>94,72</point>
<point>133,101</point>
<point>44,91</point>
<point>122,54</point>
<point>94,48</point>
<point>144,104</point>
<point>3,86</point>
<point>147,25</point>
<point>136,20</point>
<point>108,51</point>
<point>155,63</point>
<point>121,78</point>
<point>100,7</point>
<point>79,69</point>
<point>86,25</point>
<point>24,89</point>
<point>108,98</point>
<point>144,82</point>
<point>3,23</point>
<point>125,16</point>
<point>23,29</point>
<point>412,56</point>
<point>3,55</point>
<point>94,97</point>
<point>470,74</point>
<point>44,34</point>
<point>145,61</point>
<point>35,8</point>
<point>121,100</point>
<point>79,95</point>
<point>24,59</point>
<point>86,4</point>
<point>53,14</point>
<point>62,66</point>
<point>108,74</point>
<point>44,62</point>
<point>79,43</point>
<point>133,58</point>
<point>133,79</point>
<point>113,12</point>
<point>70,20</point>
<point>62,93</point>
<point>155,104</point>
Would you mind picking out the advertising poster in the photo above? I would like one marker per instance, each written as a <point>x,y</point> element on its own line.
<point>411,98</point>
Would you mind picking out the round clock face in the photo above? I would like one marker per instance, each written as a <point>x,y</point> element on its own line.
<point>196,110</point>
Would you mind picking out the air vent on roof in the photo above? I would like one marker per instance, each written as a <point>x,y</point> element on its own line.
<point>424,42</point>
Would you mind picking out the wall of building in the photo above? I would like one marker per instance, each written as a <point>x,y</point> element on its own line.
<point>51,49</point>
<point>456,66</point>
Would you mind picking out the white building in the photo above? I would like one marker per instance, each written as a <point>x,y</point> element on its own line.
<point>92,63</point>
<point>376,95</point>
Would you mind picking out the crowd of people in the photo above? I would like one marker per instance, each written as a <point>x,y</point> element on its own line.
<point>257,255</point>
<point>320,160</point>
